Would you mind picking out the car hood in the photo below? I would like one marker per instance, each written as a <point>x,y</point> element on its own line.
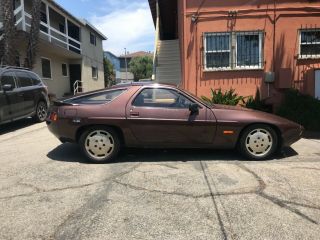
<point>229,107</point>
<point>255,115</point>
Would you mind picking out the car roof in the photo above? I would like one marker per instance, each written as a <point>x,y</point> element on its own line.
<point>3,68</point>
<point>145,83</point>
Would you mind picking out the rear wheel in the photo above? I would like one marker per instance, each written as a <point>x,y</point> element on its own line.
<point>41,112</point>
<point>258,142</point>
<point>100,144</point>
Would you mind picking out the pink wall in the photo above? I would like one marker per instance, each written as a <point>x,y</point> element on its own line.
<point>252,15</point>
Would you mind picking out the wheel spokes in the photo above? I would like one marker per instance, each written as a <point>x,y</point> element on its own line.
<point>99,144</point>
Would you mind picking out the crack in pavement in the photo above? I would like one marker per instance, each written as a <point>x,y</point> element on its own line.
<point>39,190</point>
<point>275,200</point>
<point>81,218</point>
<point>221,224</point>
<point>181,194</point>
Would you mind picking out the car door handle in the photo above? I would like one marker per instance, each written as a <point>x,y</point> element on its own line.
<point>134,114</point>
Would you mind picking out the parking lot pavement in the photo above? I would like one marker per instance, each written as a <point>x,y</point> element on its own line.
<point>49,191</point>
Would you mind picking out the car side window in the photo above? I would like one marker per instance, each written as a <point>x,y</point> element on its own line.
<point>162,98</point>
<point>24,79</point>
<point>98,98</point>
<point>7,78</point>
<point>35,79</point>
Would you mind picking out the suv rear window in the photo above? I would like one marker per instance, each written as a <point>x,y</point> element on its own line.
<point>97,98</point>
<point>35,79</point>
<point>24,79</point>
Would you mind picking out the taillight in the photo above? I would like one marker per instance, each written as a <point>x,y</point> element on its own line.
<point>53,116</point>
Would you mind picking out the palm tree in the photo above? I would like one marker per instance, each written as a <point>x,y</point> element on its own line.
<point>33,39</point>
<point>8,50</point>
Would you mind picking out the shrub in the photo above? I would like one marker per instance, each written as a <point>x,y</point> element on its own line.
<point>302,109</point>
<point>228,97</point>
<point>257,104</point>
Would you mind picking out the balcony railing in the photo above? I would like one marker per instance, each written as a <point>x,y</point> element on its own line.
<point>23,21</point>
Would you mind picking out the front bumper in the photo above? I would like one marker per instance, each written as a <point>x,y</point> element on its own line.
<point>293,135</point>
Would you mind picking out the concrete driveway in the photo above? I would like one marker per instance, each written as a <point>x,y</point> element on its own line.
<point>49,191</point>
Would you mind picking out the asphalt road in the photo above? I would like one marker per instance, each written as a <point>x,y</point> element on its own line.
<point>49,191</point>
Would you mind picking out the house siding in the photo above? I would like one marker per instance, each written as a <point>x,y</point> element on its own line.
<point>59,52</point>
<point>281,47</point>
<point>92,56</point>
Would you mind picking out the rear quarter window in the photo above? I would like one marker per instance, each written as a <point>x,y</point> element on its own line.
<point>24,80</point>
<point>97,98</point>
<point>35,79</point>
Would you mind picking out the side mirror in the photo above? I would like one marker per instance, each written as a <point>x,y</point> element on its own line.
<point>7,87</point>
<point>194,109</point>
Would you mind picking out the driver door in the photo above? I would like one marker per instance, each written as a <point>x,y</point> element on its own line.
<point>160,117</point>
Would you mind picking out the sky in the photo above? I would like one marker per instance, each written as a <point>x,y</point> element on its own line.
<point>126,23</point>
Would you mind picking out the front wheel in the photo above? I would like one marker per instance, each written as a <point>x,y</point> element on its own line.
<point>258,142</point>
<point>100,144</point>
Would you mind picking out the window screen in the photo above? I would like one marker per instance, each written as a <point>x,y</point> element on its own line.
<point>64,70</point>
<point>46,68</point>
<point>94,72</point>
<point>310,43</point>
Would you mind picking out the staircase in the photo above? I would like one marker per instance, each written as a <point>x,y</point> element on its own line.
<point>168,65</point>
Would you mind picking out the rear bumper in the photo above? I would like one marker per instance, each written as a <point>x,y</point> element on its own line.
<point>64,132</point>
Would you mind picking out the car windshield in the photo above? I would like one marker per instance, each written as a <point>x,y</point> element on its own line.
<point>197,98</point>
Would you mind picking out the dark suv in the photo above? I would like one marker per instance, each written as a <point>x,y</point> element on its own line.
<point>22,94</point>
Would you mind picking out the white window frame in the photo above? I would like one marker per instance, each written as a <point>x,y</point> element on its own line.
<point>66,68</point>
<point>233,50</point>
<point>205,50</point>
<point>97,70</point>
<point>50,69</point>
<point>260,65</point>
<point>304,56</point>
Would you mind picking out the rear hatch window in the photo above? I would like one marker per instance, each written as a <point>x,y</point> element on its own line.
<point>96,98</point>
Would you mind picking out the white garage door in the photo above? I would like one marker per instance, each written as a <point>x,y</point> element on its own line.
<point>317,84</point>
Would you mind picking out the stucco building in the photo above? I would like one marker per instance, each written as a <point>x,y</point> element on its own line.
<point>247,45</point>
<point>70,50</point>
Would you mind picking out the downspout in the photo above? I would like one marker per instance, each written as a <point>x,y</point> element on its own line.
<point>157,35</point>
<point>274,43</point>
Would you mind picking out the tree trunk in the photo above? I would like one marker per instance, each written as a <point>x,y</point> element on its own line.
<point>8,50</point>
<point>33,35</point>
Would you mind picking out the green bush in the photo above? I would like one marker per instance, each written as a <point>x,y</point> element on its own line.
<point>257,104</point>
<point>302,109</point>
<point>228,97</point>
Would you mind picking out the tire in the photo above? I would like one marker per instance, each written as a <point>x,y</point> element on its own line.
<point>100,144</point>
<point>258,142</point>
<point>41,112</point>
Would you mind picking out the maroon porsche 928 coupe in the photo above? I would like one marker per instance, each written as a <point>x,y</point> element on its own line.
<point>163,116</point>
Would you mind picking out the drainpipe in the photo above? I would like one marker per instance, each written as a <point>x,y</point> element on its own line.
<point>274,43</point>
